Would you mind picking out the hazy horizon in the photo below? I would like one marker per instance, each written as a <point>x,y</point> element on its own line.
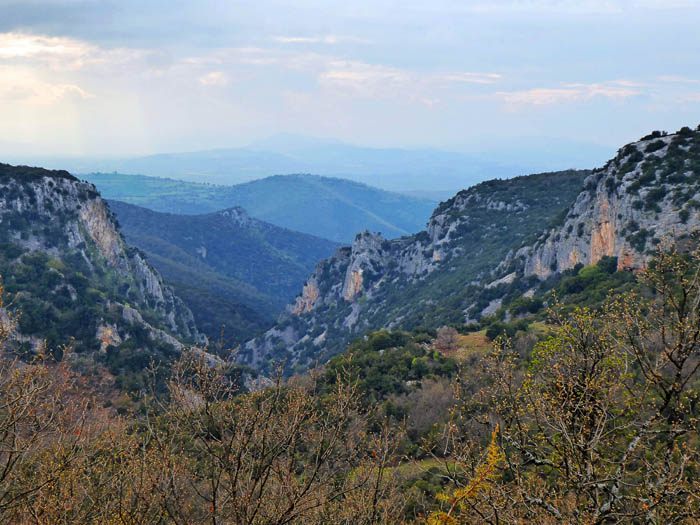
<point>88,78</point>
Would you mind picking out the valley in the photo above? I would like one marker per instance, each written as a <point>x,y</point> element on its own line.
<point>412,344</point>
<point>330,208</point>
<point>231,270</point>
<point>349,263</point>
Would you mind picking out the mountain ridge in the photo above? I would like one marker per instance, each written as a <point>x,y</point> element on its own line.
<point>395,167</point>
<point>638,200</point>
<point>326,207</point>
<point>379,283</point>
<point>650,190</point>
<point>62,256</point>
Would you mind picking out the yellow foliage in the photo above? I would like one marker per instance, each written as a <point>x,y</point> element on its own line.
<point>484,478</point>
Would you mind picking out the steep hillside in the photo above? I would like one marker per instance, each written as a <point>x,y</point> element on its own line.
<point>72,275</point>
<point>648,195</point>
<point>225,259</point>
<point>649,192</point>
<point>583,238</point>
<point>330,208</point>
<point>426,279</point>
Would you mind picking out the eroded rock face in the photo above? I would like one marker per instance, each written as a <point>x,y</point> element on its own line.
<point>353,285</point>
<point>306,301</point>
<point>81,223</point>
<point>93,215</point>
<point>637,200</point>
<point>373,283</point>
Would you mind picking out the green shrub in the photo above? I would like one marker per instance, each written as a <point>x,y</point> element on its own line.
<point>654,196</point>
<point>607,264</point>
<point>655,146</point>
<point>653,135</point>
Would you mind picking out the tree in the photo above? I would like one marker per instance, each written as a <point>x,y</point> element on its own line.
<point>600,426</point>
<point>446,340</point>
<point>279,455</point>
<point>40,428</point>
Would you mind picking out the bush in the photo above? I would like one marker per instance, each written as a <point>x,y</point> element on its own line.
<point>524,305</point>
<point>638,241</point>
<point>655,146</point>
<point>654,196</point>
<point>653,135</point>
<point>607,264</point>
<point>500,329</point>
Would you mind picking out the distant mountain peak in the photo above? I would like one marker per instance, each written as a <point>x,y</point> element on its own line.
<point>291,142</point>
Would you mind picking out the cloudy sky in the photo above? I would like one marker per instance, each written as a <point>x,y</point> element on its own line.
<point>136,77</point>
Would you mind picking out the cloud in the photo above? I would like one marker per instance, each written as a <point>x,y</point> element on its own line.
<point>676,79</point>
<point>619,89</point>
<point>472,78</point>
<point>215,78</point>
<point>60,91</point>
<point>24,87</point>
<point>18,45</point>
<point>324,39</point>
<point>364,79</point>
<point>372,80</point>
<point>62,54</point>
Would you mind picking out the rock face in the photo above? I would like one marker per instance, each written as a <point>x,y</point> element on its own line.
<point>648,193</point>
<point>406,282</point>
<point>306,301</point>
<point>56,217</point>
<point>491,244</point>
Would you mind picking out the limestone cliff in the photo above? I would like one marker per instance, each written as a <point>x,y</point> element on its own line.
<point>649,192</point>
<point>409,281</point>
<point>492,244</point>
<point>61,230</point>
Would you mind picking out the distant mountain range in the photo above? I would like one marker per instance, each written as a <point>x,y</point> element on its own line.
<point>330,208</point>
<point>392,169</point>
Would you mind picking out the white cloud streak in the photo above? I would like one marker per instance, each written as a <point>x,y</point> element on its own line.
<point>215,78</point>
<point>323,39</point>
<point>569,93</point>
<point>377,81</point>
<point>677,79</point>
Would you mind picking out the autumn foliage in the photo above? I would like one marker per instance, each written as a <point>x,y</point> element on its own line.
<point>595,423</point>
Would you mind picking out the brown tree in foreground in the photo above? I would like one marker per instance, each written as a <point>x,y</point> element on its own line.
<point>277,456</point>
<point>601,426</point>
<point>40,427</point>
<point>280,455</point>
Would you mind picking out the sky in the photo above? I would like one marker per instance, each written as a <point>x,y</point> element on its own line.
<point>126,77</point>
